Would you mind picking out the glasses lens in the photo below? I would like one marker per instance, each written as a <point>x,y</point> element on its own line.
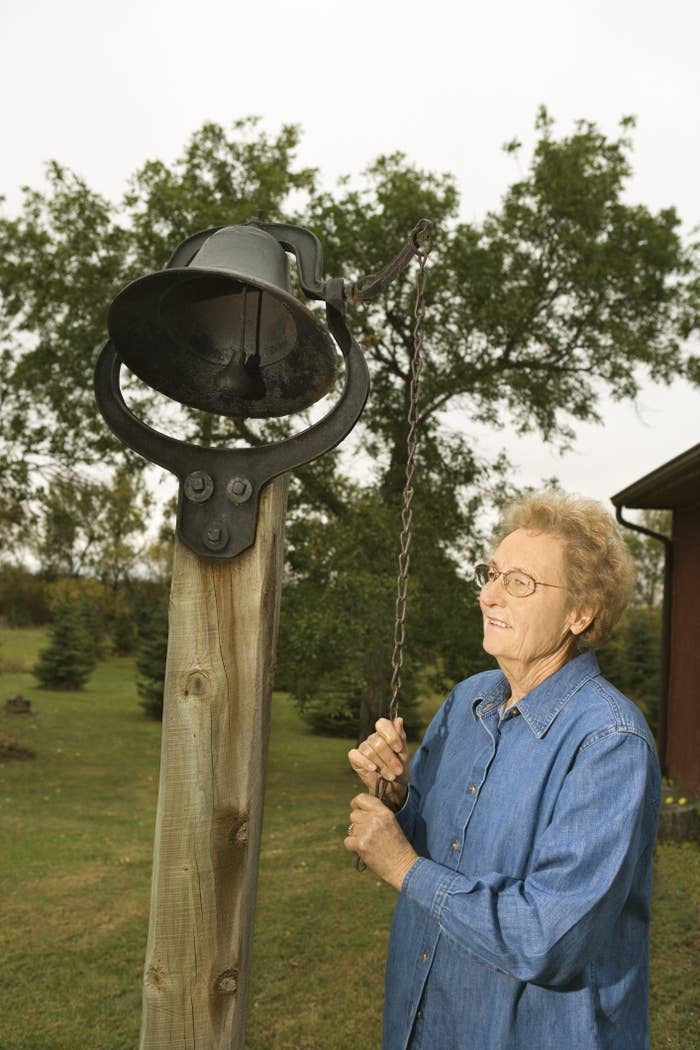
<point>518,584</point>
<point>481,574</point>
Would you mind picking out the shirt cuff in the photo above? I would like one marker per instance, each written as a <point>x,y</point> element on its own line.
<point>406,816</point>
<point>404,803</point>
<point>428,883</point>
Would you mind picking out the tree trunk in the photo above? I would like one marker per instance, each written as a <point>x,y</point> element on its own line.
<point>218,685</point>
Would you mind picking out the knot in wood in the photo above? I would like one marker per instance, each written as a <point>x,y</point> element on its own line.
<point>197,685</point>
<point>227,982</point>
<point>238,835</point>
<point>154,978</point>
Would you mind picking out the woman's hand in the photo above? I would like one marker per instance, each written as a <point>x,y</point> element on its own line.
<point>384,754</point>
<point>374,834</point>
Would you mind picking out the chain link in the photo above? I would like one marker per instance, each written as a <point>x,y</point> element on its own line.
<point>407,507</point>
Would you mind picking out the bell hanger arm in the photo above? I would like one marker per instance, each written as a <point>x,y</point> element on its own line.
<point>419,243</point>
<point>308,251</point>
<point>309,255</point>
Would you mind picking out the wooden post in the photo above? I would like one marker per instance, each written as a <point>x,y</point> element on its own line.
<point>218,685</point>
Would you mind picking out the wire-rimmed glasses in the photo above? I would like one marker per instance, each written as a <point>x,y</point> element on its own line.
<point>517,583</point>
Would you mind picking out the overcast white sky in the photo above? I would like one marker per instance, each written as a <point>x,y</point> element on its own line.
<point>103,87</point>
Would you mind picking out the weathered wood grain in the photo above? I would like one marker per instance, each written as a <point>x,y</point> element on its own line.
<point>222,637</point>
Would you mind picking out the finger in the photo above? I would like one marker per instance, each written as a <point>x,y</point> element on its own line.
<point>350,844</point>
<point>376,748</point>
<point>399,727</point>
<point>361,763</point>
<point>391,733</point>
<point>351,841</point>
<point>366,803</point>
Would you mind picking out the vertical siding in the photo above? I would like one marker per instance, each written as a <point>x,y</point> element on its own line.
<point>683,748</point>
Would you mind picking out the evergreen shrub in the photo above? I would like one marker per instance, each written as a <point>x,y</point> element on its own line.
<point>151,656</point>
<point>72,653</point>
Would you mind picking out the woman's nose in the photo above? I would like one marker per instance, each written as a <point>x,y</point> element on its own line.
<point>492,591</point>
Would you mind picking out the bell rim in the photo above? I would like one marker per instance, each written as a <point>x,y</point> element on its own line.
<point>170,274</point>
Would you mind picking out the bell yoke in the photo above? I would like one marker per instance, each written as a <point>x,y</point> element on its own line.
<point>218,329</point>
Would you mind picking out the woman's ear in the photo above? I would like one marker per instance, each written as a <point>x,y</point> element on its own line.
<point>581,619</point>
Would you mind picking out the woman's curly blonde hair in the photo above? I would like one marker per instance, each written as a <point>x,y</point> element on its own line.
<point>600,571</point>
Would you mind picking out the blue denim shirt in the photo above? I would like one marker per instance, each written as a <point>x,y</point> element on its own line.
<point>524,922</point>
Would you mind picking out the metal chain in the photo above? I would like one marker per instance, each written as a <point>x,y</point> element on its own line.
<point>422,247</point>
<point>407,508</point>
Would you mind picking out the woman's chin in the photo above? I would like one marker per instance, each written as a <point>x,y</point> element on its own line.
<point>490,645</point>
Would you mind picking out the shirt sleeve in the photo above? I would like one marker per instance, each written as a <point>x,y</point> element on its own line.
<point>547,926</point>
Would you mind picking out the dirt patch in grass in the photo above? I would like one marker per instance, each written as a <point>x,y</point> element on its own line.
<point>12,750</point>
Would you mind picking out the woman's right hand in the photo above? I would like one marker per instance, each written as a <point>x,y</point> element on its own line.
<point>384,754</point>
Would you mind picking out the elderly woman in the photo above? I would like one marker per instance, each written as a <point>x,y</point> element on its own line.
<point>521,844</point>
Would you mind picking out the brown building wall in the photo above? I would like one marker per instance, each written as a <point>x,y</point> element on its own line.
<point>683,747</point>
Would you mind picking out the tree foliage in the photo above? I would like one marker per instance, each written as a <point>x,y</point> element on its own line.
<point>632,659</point>
<point>565,291</point>
<point>64,257</point>
<point>74,643</point>
<point>93,527</point>
<point>151,657</point>
<point>632,656</point>
<point>649,556</point>
<point>23,597</point>
<point>337,626</point>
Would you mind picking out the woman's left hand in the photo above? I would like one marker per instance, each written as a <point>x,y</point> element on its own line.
<point>374,834</point>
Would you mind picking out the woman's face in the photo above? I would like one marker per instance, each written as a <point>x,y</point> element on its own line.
<point>535,630</point>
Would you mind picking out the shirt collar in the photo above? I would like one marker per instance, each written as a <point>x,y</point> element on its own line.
<point>542,704</point>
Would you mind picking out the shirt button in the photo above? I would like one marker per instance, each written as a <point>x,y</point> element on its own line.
<point>472,789</point>
<point>424,956</point>
<point>454,845</point>
<point>419,1014</point>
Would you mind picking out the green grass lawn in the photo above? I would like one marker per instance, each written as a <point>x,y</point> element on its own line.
<point>76,827</point>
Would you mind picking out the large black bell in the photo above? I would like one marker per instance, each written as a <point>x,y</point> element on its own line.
<point>219,329</point>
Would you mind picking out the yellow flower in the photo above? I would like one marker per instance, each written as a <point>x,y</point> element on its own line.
<point>682,801</point>
<point>669,800</point>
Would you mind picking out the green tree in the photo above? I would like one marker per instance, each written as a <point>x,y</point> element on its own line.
<point>151,657</point>
<point>336,632</point>
<point>93,527</point>
<point>649,556</point>
<point>71,655</point>
<point>23,597</point>
<point>632,659</point>
<point>125,633</point>
<point>64,257</point>
<point>564,292</point>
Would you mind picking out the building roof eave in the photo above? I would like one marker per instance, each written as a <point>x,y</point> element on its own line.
<point>674,484</point>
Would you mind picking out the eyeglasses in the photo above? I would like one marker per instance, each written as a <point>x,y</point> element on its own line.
<point>517,583</point>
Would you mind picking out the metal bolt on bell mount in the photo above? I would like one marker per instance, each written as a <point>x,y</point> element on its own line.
<point>218,329</point>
